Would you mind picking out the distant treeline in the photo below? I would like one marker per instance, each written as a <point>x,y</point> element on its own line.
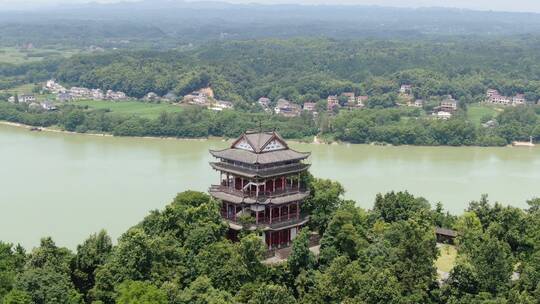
<point>398,126</point>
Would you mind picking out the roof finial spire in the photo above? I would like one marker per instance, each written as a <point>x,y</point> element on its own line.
<point>260,126</point>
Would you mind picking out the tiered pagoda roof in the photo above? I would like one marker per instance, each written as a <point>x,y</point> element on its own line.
<point>259,148</point>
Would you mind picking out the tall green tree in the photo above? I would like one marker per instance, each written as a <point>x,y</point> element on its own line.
<point>301,258</point>
<point>90,255</point>
<point>136,292</point>
<point>325,198</point>
<point>271,294</point>
<point>46,275</point>
<point>11,262</point>
<point>392,207</point>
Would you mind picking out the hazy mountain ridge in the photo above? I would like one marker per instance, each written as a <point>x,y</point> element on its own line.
<point>185,22</point>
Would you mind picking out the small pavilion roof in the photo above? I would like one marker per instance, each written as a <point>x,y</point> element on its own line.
<point>446,232</point>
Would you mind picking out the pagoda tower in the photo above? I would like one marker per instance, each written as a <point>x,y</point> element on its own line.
<point>260,187</point>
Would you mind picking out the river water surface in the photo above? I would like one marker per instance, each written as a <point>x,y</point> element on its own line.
<point>69,186</point>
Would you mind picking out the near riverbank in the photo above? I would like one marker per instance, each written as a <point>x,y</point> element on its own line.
<point>316,139</point>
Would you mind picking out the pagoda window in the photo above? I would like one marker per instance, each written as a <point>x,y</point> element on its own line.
<point>244,145</point>
<point>273,146</point>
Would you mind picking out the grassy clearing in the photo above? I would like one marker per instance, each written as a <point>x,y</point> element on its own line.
<point>17,56</point>
<point>22,89</point>
<point>142,109</point>
<point>447,259</point>
<point>477,111</point>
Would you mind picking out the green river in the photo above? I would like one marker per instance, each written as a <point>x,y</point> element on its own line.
<point>69,186</point>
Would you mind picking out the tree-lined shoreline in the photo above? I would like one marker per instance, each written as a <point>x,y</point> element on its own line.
<point>385,126</point>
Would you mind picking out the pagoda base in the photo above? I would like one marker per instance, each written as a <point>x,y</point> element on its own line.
<point>274,239</point>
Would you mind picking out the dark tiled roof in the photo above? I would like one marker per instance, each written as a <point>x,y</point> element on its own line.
<point>445,232</point>
<point>258,140</point>
<point>249,157</point>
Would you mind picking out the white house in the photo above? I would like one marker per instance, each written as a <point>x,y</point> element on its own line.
<point>405,89</point>
<point>26,98</point>
<point>519,99</point>
<point>443,115</point>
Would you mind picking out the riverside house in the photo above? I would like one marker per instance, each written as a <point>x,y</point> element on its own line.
<point>287,108</point>
<point>332,102</point>
<point>310,106</point>
<point>405,89</point>
<point>449,104</point>
<point>495,97</point>
<point>26,98</point>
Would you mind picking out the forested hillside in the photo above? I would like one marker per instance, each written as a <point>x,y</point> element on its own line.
<point>384,255</point>
<point>311,69</point>
<point>308,69</point>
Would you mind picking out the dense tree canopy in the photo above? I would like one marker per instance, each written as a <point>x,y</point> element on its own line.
<point>386,255</point>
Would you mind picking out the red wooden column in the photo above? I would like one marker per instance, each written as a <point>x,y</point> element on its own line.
<point>279,214</point>
<point>283,183</point>
<point>288,211</point>
<point>257,217</point>
<point>271,209</point>
<point>288,236</point>
<point>297,210</point>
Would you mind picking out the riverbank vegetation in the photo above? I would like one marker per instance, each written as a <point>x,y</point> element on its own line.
<point>398,126</point>
<point>384,255</point>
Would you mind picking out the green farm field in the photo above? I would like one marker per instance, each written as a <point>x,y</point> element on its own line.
<point>475,112</point>
<point>142,109</point>
<point>14,55</point>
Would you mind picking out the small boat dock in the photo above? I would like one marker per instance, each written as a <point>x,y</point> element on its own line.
<point>523,143</point>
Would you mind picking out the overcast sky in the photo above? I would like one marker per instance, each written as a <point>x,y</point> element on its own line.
<point>499,5</point>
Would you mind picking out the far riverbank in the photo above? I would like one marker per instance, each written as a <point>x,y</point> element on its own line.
<point>316,139</point>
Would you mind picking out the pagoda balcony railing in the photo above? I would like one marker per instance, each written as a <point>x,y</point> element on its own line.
<point>262,195</point>
<point>267,171</point>
<point>277,221</point>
